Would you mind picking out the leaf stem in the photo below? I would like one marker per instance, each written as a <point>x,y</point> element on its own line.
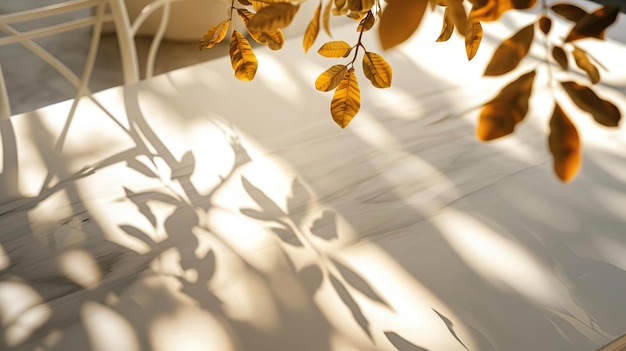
<point>359,43</point>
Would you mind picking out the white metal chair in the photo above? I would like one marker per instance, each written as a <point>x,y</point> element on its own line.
<point>97,16</point>
<point>145,13</point>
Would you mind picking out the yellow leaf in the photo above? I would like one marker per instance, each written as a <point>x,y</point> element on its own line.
<point>593,25</point>
<point>335,49</point>
<point>510,52</point>
<point>330,78</point>
<point>399,21</point>
<point>545,24</point>
<point>312,29</point>
<point>564,145</point>
<point>582,61</point>
<point>499,116</point>
<point>258,5</point>
<point>274,16</point>
<point>274,39</point>
<point>242,57</point>
<point>377,70</point>
<point>560,57</point>
<point>491,10</point>
<point>340,8</point>
<point>473,37</point>
<point>326,17</point>
<point>346,100</point>
<point>457,14</point>
<point>602,111</point>
<point>360,5</point>
<point>366,23</point>
<point>446,28</point>
<point>569,12</point>
<point>214,35</point>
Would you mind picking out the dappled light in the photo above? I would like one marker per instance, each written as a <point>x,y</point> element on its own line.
<point>197,211</point>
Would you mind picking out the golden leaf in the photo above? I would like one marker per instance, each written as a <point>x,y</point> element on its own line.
<point>602,111</point>
<point>593,25</point>
<point>360,5</point>
<point>499,116</point>
<point>312,29</point>
<point>335,49</point>
<point>377,70</point>
<point>399,21</point>
<point>491,10</point>
<point>357,16</point>
<point>274,39</point>
<point>242,57</point>
<point>569,12</point>
<point>457,14</point>
<point>510,52</point>
<point>564,145</point>
<point>366,23</point>
<point>473,38</point>
<point>274,16</point>
<point>545,24</point>
<point>340,8</point>
<point>326,17</point>
<point>258,5</point>
<point>582,61</point>
<point>447,28</point>
<point>560,57</point>
<point>214,35</point>
<point>346,100</point>
<point>330,78</point>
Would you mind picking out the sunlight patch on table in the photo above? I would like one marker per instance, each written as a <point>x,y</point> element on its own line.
<point>497,258</point>
<point>22,311</point>
<point>277,79</point>
<point>107,329</point>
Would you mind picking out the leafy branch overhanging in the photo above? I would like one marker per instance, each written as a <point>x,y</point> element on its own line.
<point>397,20</point>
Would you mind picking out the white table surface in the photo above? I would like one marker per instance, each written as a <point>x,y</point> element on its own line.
<point>204,213</point>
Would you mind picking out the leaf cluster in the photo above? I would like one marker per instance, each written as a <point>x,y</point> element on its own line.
<point>397,20</point>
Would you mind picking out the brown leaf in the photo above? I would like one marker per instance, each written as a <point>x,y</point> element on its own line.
<point>560,57</point>
<point>564,145</point>
<point>242,57</point>
<point>510,52</point>
<point>582,61</point>
<point>366,23</point>
<point>326,17</point>
<point>346,100</point>
<point>603,112</point>
<point>447,28</point>
<point>457,15</point>
<point>272,17</point>
<point>593,25</point>
<point>491,10</point>
<point>214,35</point>
<point>340,8</point>
<point>377,70</point>
<point>499,116</point>
<point>473,38</point>
<point>330,78</point>
<point>312,29</point>
<point>258,5</point>
<point>399,21</point>
<point>274,39</point>
<point>335,49</point>
<point>569,12</point>
<point>545,24</point>
<point>245,2</point>
<point>360,5</point>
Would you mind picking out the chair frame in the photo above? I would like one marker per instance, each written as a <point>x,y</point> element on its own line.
<point>118,15</point>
